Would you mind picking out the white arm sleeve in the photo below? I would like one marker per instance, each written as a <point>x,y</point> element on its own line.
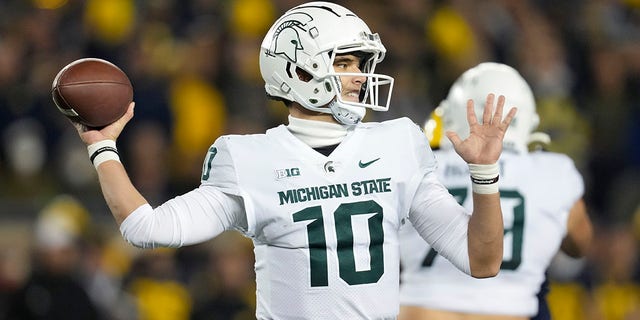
<point>441,221</point>
<point>194,217</point>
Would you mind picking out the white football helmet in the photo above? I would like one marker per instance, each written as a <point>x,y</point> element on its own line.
<point>307,38</point>
<point>476,83</point>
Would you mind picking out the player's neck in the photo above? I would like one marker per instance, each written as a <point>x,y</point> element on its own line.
<point>317,133</point>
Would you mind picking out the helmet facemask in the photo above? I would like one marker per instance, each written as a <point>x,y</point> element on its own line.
<point>375,91</point>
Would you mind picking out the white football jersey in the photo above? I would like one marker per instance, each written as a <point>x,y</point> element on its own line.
<point>325,229</point>
<point>537,191</point>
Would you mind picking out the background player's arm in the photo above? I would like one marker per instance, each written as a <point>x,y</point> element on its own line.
<point>579,231</point>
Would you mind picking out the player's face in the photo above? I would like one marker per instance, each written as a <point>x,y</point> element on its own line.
<point>350,84</point>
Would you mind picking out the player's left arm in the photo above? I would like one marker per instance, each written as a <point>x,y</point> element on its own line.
<point>481,150</point>
<point>579,231</point>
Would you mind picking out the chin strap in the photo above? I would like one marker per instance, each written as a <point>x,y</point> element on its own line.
<point>346,114</point>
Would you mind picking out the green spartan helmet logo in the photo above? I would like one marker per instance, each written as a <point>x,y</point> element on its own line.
<point>286,39</point>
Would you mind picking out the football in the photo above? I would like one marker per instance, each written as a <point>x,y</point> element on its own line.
<point>92,91</point>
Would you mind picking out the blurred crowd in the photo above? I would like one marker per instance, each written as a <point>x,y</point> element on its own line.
<point>194,68</point>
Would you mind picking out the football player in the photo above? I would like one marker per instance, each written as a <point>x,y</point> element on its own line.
<point>543,211</point>
<point>323,198</point>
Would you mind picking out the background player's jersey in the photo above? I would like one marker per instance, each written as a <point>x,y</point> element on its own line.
<point>325,229</point>
<point>537,191</point>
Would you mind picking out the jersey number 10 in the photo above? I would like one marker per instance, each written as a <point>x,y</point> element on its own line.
<point>344,235</point>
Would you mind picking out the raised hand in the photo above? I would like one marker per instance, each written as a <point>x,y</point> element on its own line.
<point>484,144</point>
<point>110,132</point>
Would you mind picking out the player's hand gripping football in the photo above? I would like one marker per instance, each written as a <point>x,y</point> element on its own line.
<point>111,132</point>
<point>484,144</point>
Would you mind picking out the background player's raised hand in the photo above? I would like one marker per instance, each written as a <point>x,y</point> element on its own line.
<point>484,144</point>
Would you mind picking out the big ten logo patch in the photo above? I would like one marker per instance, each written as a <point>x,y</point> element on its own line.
<point>287,173</point>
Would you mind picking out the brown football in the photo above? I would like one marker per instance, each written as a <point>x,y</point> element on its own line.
<point>92,91</point>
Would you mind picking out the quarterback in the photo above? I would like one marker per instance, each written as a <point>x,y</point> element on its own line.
<point>324,197</point>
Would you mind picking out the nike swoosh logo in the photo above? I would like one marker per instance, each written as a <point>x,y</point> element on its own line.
<point>366,164</point>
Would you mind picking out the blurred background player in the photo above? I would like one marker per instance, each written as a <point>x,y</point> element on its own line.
<point>543,211</point>
<point>57,286</point>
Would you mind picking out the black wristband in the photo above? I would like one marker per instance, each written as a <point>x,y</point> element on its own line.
<point>485,181</point>
<point>101,150</point>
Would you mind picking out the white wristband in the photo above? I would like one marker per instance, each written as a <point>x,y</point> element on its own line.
<point>102,151</point>
<point>484,178</point>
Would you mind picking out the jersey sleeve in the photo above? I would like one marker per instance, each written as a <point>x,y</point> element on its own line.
<point>219,169</point>
<point>561,179</point>
<point>434,212</point>
<point>423,153</point>
<point>196,216</point>
<point>191,218</point>
<point>572,178</point>
<point>441,221</point>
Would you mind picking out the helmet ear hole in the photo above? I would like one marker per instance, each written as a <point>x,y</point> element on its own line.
<point>535,121</point>
<point>303,75</point>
